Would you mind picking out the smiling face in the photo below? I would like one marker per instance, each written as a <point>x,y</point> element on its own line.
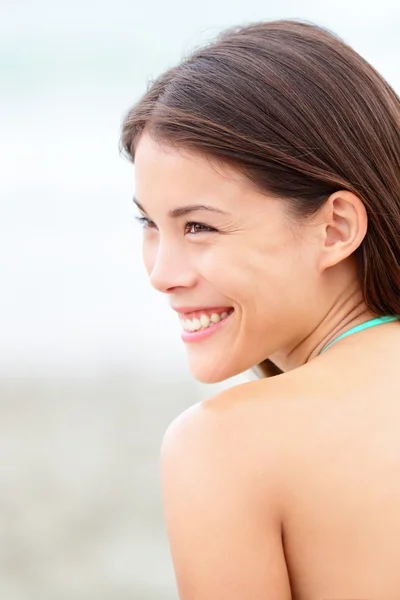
<point>243,252</point>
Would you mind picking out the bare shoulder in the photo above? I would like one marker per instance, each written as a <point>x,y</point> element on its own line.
<point>222,489</point>
<point>232,432</point>
<point>244,421</point>
<point>257,419</point>
<point>231,422</point>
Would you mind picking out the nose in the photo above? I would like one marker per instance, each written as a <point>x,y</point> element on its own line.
<point>169,267</point>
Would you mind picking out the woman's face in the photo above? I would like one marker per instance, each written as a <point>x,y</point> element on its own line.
<point>237,253</point>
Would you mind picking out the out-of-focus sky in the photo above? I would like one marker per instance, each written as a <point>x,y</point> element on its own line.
<point>74,294</point>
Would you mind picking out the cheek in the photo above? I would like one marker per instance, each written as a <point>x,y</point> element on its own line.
<point>262,270</point>
<point>213,263</point>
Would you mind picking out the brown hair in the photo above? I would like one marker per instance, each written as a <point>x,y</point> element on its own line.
<point>302,115</point>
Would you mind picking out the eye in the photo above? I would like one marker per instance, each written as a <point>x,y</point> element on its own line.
<point>190,226</point>
<point>197,227</point>
<point>145,222</point>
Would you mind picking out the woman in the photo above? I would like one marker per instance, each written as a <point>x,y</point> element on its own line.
<point>268,183</point>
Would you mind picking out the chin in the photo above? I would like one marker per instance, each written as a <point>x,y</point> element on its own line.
<point>208,373</point>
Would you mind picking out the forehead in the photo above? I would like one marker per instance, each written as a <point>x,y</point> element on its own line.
<point>180,172</point>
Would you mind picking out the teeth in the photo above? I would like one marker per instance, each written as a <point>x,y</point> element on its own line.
<point>196,324</point>
<point>203,322</point>
<point>188,325</point>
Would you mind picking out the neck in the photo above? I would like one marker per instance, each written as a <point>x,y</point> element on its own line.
<point>342,317</point>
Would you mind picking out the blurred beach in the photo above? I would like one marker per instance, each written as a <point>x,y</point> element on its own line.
<point>80,505</point>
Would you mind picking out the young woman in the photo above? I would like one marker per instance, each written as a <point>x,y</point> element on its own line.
<point>268,182</point>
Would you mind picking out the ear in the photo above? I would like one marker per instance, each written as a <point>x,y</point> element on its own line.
<point>344,226</point>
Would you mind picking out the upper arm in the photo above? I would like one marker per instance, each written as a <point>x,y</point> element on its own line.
<point>220,510</point>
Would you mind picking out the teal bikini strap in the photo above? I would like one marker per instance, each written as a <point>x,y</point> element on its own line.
<point>362,326</point>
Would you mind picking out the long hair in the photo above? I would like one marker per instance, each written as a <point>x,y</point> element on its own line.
<point>301,115</point>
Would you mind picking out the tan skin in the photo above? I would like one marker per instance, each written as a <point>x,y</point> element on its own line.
<point>286,487</point>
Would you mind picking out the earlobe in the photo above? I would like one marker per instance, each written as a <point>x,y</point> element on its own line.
<point>345,226</point>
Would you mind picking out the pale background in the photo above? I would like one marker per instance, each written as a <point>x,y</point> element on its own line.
<point>92,368</point>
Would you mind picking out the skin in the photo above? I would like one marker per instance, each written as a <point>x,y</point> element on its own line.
<point>285,487</point>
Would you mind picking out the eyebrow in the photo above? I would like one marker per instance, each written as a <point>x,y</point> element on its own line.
<point>184,210</point>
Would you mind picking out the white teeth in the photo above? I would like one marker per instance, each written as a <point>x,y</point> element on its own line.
<point>203,322</point>
<point>196,324</point>
<point>187,325</point>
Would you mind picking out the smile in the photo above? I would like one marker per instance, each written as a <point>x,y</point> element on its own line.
<point>203,325</point>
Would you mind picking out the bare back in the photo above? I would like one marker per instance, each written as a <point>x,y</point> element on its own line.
<point>341,525</point>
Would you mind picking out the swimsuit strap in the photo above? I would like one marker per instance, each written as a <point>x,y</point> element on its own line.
<point>366,325</point>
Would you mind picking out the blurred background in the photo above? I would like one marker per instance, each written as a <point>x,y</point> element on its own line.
<point>92,367</point>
